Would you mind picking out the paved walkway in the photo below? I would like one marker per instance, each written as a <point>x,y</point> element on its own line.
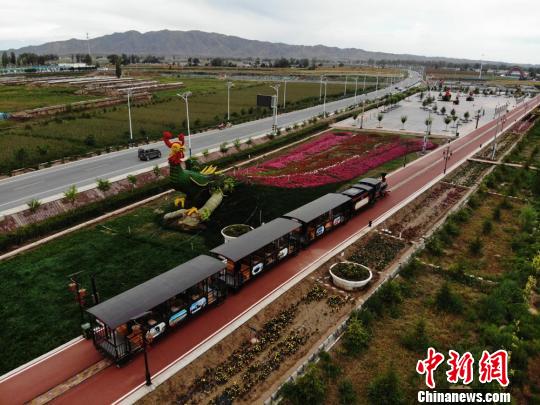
<point>112,384</point>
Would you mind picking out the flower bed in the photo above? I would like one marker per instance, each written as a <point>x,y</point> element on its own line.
<point>351,271</point>
<point>331,158</point>
<point>378,251</point>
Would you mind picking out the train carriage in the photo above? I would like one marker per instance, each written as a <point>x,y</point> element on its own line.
<point>156,306</point>
<point>254,252</point>
<point>321,215</point>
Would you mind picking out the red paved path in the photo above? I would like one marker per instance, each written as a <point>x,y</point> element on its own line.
<point>112,383</point>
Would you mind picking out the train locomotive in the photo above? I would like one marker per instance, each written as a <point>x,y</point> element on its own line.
<point>123,324</point>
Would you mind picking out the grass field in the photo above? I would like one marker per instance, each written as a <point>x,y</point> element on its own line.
<point>38,309</point>
<point>18,98</point>
<point>76,133</point>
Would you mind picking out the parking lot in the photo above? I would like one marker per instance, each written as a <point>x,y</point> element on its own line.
<point>416,115</point>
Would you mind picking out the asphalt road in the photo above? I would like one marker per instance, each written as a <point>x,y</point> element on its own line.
<point>52,182</point>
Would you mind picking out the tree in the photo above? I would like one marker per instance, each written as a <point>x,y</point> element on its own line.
<point>103,184</point>
<point>428,123</point>
<point>307,389</point>
<point>113,59</point>
<point>403,121</point>
<point>13,58</point>
<point>385,389</point>
<point>347,394</point>
<point>5,59</point>
<point>443,110</point>
<point>380,117</point>
<point>132,180</point>
<point>71,194</point>
<point>527,218</point>
<point>21,155</point>
<point>446,300</point>
<point>356,337</point>
<point>118,69</point>
<point>87,59</point>
<point>447,120</point>
<point>466,116</point>
<point>216,62</point>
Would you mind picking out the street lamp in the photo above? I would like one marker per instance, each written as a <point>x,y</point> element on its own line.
<point>363,104</point>
<point>324,101</point>
<point>355,88</point>
<point>184,96</point>
<point>276,98</point>
<point>447,154</point>
<point>345,90</point>
<point>129,115</point>
<point>320,87</point>
<point>147,376</point>
<point>284,93</point>
<point>229,85</point>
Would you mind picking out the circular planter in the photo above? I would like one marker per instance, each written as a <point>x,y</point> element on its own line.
<point>231,232</point>
<point>350,285</point>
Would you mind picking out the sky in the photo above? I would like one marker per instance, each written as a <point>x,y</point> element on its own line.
<point>493,30</point>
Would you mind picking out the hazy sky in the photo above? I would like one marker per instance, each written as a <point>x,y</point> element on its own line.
<point>500,30</point>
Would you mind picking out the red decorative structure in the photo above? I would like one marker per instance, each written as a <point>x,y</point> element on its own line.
<point>177,148</point>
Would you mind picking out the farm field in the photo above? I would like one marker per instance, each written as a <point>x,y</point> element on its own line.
<point>16,98</point>
<point>43,272</point>
<point>76,133</point>
<point>440,301</point>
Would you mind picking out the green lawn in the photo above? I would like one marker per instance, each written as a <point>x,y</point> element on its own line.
<point>69,134</point>
<point>17,98</point>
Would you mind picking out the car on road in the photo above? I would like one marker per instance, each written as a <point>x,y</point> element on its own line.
<point>147,154</point>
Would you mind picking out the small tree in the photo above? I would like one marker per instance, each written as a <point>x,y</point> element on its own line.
<point>156,171</point>
<point>428,123</point>
<point>71,194</point>
<point>118,68</point>
<point>466,116</point>
<point>237,144</point>
<point>527,218</point>
<point>347,394</point>
<point>307,389</point>
<point>380,117</point>
<point>475,246</point>
<point>33,204</point>
<point>443,110</point>
<point>356,337</point>
<point>385,389</point>
<point>447,120</point>
<point>403,121</point>
<point>446,300</point>
<point>224,147</point>
<point>453,113</point>
<point>417,340</point>
<point>205,153</point>
<point>132,180</point>
<point>103,184</point>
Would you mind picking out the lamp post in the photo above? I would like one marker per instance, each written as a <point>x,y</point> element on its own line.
<point>276,99</point>
<point>229,85</point>
<point>324,101</point>
<point>355,89</point>
<point>147,376</point>
<point>363,104</point>
<point>320,87</point>
<point>284,93</point>
<point>345,90</point>
<point>447,154</point>
<point>129,116</point>
<point>184,96</point>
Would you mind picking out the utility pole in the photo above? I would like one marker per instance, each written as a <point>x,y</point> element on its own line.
<point>275,99</point>
<point>229,85</point>
<point>129,116</point>
<point>184,96</point>
<point>88,45</point>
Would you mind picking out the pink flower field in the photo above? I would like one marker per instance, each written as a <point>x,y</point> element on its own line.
<point>331,158</point>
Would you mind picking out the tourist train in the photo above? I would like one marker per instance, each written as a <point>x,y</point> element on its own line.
<point>122,325</point>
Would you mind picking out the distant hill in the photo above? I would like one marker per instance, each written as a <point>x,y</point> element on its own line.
<point>206,44</point>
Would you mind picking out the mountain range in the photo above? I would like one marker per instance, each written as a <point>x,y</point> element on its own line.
<point>208,45</point>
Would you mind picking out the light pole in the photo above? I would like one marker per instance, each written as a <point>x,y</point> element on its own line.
<point>345,90</point>
<point>184,96</point>
<point>229,85</point>
<point>320,87</point>
<point>447,154</point>
<point>284,93</point>
<point>363,104</point>
<point>276,99</point>
<point>355,88</point>
<point>324,101</point>
<point>147,375</point>
<point>129,116</point>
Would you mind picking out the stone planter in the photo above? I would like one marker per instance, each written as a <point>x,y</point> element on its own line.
<point>350,285</point>
<point>231,232</point>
